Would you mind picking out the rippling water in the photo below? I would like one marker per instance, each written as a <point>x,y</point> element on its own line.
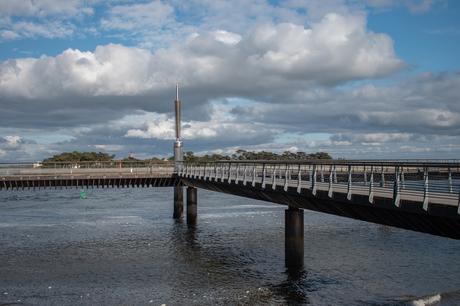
<point>121,247</point>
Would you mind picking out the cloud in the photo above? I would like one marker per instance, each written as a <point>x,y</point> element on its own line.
<point>138,16</point>
<point>337,49</point>
<point>297,74</point>
<point>54,29</point>
<point>221,125</point>
<point>44,8</point>
<point>414,6</point>
<point>12,141</point>
<point>158,24</point>
<point>422,111</point>
<point>49,19</point>
<point>372,138</point>
<point>419,6</point>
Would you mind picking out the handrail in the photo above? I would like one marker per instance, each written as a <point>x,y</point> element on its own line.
<point>369,162</point>
<point>88,164</point>
<point>426,182</point>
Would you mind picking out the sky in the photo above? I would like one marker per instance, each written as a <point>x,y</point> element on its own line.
<point>356,78</point>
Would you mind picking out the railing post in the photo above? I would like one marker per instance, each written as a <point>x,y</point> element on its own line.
<point>299,180</point>
<point>382,180</point>
<point>365,175</point>
<point>396,196</point>
<point>458,210</point>
<point>254,175</point>
<point>313,181</point>
<point>215,172</point>
<point>222,173</point>
<point>286,178</point>
<point>229,176</point>
<point>237,177</point>
<point>245,170</point>
<point>274,177</point>
<point>322,174</point>
<point>403,180</point>
<point>425,190</point>
<point>371,186</point>
<point>263,175</point>
<point>349,192</point>
<point>450,181</point>
<point>330,191</point>
<point>335,174</point>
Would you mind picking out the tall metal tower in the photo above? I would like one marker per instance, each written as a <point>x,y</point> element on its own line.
<point>178,159</point>
<point>178,154</point>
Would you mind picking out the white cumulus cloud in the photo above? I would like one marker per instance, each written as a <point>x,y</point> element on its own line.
<point>336,49</point>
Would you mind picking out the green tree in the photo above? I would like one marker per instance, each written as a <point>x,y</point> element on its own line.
<point>76,156</point>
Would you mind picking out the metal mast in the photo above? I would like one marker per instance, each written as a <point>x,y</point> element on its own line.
<point>178,155</point>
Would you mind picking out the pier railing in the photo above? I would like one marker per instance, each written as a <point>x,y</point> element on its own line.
<point>426,181</point>
<point>85,168</point>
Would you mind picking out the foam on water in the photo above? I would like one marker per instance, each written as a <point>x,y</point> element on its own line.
<point>426,301</point>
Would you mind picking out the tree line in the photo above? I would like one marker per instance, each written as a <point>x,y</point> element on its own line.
<point>253,155</point>
<point>189,156</point>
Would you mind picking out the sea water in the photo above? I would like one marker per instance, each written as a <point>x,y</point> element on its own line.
<point>122,247</point>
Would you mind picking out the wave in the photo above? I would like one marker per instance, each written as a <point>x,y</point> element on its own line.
<point>428,300</point>
<point>438,299</point>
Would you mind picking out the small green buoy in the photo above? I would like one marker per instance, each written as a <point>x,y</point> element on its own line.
<point>82,194</point>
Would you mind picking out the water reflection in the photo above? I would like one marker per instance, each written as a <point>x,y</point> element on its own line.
<point>294,289</point>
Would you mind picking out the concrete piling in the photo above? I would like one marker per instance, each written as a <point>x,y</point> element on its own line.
<point>178,202</point>
<point>191,205</point>
<point>294,238</point>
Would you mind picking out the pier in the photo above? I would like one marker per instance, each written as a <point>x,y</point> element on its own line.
<point>418,195</point>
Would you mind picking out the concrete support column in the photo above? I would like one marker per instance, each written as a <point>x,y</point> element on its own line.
<point>293,238</point>
<point>178,202</point>
<point>191,205</point>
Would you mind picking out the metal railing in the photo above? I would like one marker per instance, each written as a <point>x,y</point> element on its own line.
<point>427,181</point>
<point>85,168</point>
